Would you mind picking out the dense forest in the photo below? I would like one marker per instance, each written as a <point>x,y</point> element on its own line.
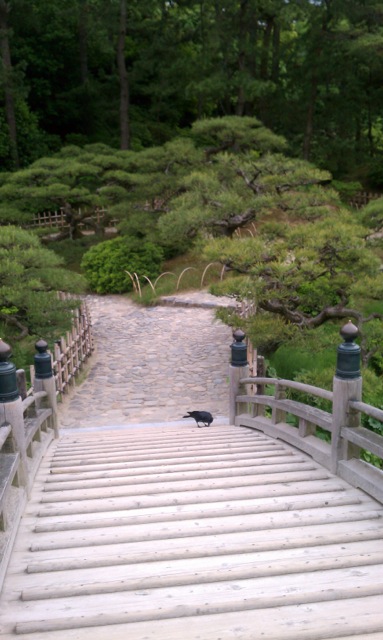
<point>219,133</point>
<point>134,74</point>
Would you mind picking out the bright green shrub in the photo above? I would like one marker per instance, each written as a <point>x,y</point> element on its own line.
<point>105,265</point>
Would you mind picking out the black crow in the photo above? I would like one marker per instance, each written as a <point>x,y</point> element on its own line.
<point>201,416</point>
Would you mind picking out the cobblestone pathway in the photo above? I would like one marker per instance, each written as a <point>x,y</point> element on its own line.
<point>152,364</point>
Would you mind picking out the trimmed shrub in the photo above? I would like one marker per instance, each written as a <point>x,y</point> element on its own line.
<point>106,263</point>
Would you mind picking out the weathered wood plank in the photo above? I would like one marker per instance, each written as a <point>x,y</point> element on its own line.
<point>199,599</point>
<point>193,547</point>
<point>177,481</point>
<point>200,511</point>
<point>364,438</point>
<point>5,430</point>
<point>160,575</point>
<point>223,545</point>
<point>180,452</point>
<point>58,481</point>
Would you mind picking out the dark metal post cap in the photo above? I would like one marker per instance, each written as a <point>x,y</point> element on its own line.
<point>348,355</point>
<point>43,361</point>
<point>41,346</point>
<point>349,331</point>
<point>8,379</point>
<point>238,349</point>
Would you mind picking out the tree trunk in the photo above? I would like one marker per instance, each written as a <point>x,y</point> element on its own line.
<point>264,66</point>
<point>83,41</point>
<point>264,69</point>
<point>276,53</point>
<point>123,77</point>
<point>8,87</point>
<point>241,97</point>
<point>310,119</point>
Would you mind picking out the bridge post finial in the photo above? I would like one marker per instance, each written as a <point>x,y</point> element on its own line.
<point>348,356</point>
<point>347,385</point>
<point>238,369</point>
<point>44,379</point>
<point>8,378</point>
<point>11,408</point>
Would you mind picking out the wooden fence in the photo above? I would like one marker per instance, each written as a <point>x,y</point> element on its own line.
<point>71,351</point>
<point>58,219</point>
<point>360,200</point>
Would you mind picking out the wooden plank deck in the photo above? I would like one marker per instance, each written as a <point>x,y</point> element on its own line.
<point>180,533</point>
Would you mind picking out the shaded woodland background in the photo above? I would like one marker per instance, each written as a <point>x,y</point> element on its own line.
<point>136,73</point>
<point>226,135</point>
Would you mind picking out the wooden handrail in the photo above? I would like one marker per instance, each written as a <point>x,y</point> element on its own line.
<point>290,384</point>
<point>28,425</point>
<point>341,453</point>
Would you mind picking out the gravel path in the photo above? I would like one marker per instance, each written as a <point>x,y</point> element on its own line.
<point>152,364</point>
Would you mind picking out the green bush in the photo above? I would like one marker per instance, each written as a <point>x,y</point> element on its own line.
<point>73,251</point>
<point>289,361</point>
<point>105,265</point>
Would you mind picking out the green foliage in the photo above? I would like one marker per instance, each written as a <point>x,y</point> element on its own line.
<point>347,190</point>
<point>307,276</point>
<point>32,141</point>
<point>30,276</point>
<point>237,134</point>
<point>310,71</point>
<point>290,362</point>
<point>106,264</point>
<point>72,251</point>
<point>372,214</point>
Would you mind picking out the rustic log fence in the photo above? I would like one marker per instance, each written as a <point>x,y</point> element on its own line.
<point>58,219</point>
<point>360,200</point>
<point>71,351</point>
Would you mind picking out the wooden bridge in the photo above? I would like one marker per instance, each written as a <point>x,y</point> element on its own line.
<point>254,530</point>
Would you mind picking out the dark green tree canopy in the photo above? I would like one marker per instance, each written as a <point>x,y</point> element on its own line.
<point>87,71</point>
<point>30,277</point>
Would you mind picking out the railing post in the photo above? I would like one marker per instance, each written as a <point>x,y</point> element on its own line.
<point>238,369</point>
<point>44,379</point>
<point>278,415</point>
<point>347,385</point>
<point>11,408</point>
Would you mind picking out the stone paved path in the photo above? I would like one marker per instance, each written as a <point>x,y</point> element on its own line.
<point>152,364</point>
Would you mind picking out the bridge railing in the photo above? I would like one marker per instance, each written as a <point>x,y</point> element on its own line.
<point>334,438</point>
<point>28,425</point>
<point>28,418</point>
